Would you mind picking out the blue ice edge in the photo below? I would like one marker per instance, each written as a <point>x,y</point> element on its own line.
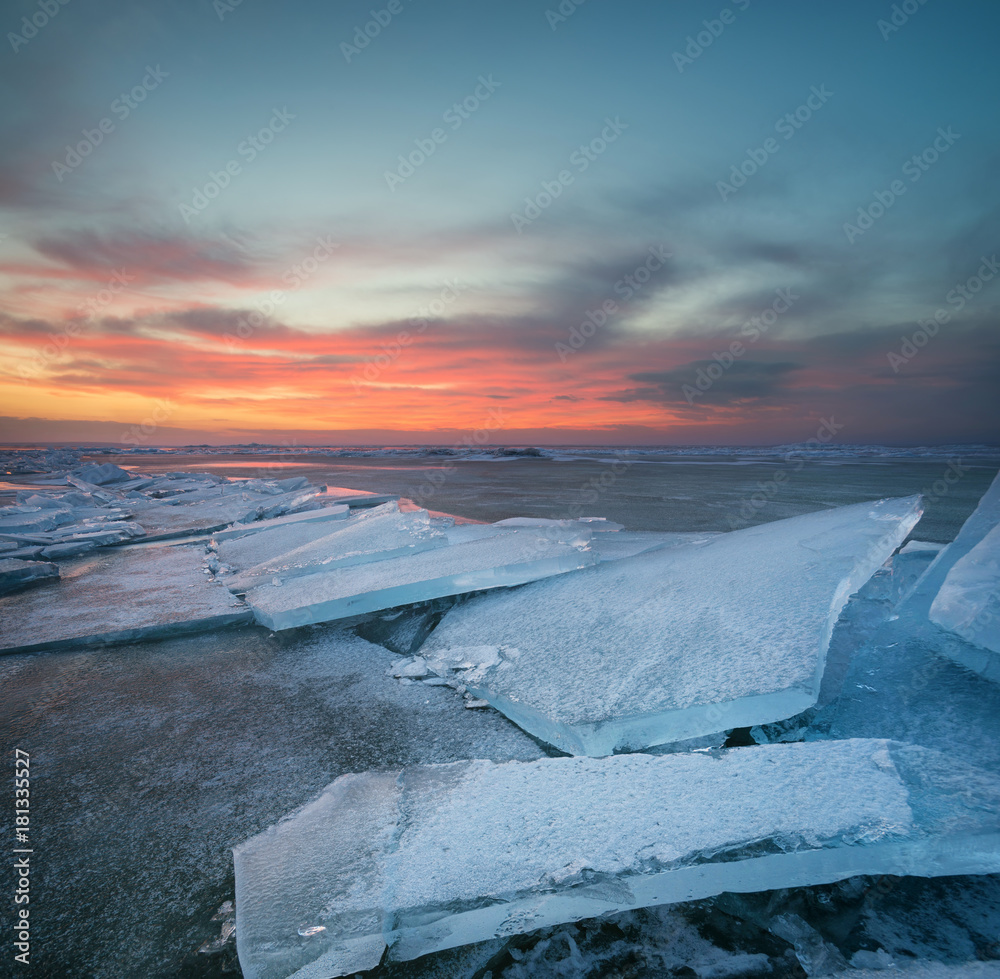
<point>934,858</point>
<point>438,856</point>
<point>617,734</point>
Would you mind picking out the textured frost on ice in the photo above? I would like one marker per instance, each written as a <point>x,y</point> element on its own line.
<point>440,856</point>
<point>727,631</point>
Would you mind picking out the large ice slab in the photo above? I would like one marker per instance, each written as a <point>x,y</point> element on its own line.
<point>114,596</point>
<point>435,857</point>
<point>677,643</point>
<point>510,558</point>
<point>968,603</point>
<point>373,535</point>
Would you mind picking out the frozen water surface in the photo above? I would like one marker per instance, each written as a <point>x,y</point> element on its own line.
<point>433,857</point>
<point>716,633</point>
<point>153,760</point>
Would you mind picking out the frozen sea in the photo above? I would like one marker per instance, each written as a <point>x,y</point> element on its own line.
<point>151,761</point>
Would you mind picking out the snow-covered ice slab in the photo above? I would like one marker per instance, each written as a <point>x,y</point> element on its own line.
<point>373,535</point>
<point>676,643</point>
<point>115,596</point>
<point>16,575</point>
<point>510,558</point>
<point>968,604</point>
<point>439,856</point>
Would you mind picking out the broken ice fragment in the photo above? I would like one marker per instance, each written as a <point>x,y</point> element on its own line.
<point>916,604</point>
<point>968,603</point>
<point>510,558</point>
<point>722,632</point>
<point>398,858</point>
<point>16,574</point>
<point>958,593</point>
<point>103,474</point>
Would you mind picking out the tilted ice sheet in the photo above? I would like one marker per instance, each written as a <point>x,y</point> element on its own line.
<point>322,515</point>
<point>917,603</point>
<point>968,604</point>
<point>923,618</point>
<point>439,856</point>
<point>375,535</point>
<point>265,540</point>
<point>511,558</point>
<point>676,643</point>
<point>628,543</point>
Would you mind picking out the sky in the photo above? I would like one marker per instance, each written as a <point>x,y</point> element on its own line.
<point>403,221</point>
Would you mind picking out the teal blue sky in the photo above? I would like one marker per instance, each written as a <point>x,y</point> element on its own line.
<point>885,82</point>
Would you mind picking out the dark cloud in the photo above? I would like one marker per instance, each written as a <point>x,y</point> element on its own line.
<point>714,383</point>
<point>151,257</point>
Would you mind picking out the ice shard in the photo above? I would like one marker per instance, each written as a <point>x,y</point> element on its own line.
<point>16,574</point>
<point>968,604</point>
<point>510,558</point>
<point>439,856</point>
<point>675,643</point>
<point>915,606</point>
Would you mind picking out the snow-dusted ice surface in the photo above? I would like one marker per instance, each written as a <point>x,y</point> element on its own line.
<point>439,856</point>
<point>968,604</point>
<point>510,558</point>
<point>722,632</point>
<point>119,595</point>
<point>372,535</point>
<point>16,575</point>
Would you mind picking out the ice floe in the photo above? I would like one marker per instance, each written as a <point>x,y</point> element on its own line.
<point>438,856</point>
<point>713,633</point>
